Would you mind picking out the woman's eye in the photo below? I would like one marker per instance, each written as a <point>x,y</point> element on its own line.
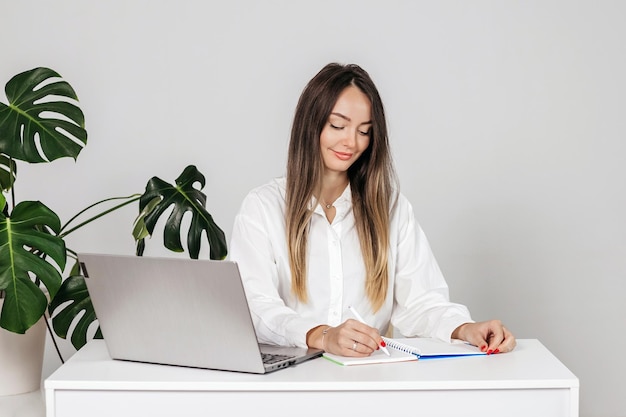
<point>366,133</point>
<point>335,126</point>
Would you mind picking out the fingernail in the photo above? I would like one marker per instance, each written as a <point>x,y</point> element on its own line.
<point>489,352</point>
<point>382,343</point>
<point>482,349</point>
<point>496,351</point>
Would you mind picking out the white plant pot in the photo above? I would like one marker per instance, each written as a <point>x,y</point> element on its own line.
<point>21,359</point>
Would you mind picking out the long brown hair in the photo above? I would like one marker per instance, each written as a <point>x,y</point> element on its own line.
<point>371,177</point>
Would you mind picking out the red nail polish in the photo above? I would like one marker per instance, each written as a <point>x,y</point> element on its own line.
<point>489,352</point>
<point>496,351</point>
<point>482,349</point>
<point>382,343</point>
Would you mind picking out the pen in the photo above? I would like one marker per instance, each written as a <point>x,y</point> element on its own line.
<point>359,318</point>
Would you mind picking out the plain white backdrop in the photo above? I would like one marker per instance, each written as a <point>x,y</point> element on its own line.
<point>507,124</point>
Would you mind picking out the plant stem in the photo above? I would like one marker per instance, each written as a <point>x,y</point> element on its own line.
<point>54,341</point>
<point>12,181</point>
<point>130,199</point>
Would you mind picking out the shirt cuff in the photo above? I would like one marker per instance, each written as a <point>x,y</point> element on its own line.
<point>449,325</point>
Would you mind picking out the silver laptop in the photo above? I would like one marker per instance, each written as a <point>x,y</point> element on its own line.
<point>181,312</point>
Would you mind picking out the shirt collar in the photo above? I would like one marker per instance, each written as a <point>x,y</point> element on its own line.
<point>343,204</point>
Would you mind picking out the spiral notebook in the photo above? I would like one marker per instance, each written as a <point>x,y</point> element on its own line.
<point>410,349</point>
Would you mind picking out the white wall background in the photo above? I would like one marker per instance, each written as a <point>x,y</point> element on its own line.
<point>507,123</point>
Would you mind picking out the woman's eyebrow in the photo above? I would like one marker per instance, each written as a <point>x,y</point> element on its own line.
<point>346,118</point>
<point>342,116</point>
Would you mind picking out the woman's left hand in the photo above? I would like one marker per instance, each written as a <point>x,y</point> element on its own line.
<point>490,336</point>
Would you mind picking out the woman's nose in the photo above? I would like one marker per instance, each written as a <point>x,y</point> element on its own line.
<point>349,139</point>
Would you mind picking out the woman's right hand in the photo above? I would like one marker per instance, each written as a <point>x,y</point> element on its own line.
<point>351,338</point>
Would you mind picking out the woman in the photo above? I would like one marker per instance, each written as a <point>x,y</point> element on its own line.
<point>336,233</point>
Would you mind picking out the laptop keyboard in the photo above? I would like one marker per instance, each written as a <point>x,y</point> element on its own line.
<point>269,358</point>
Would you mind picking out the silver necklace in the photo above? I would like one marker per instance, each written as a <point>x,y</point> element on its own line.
<point>328,206</point>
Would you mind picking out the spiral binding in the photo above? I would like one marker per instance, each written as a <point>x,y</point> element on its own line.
<point>402,347</point>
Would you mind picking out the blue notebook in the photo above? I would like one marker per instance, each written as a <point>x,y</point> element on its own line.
<point>428,348</point>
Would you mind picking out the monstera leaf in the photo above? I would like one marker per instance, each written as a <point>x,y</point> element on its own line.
<point>7,172</point>
<point>73,299</point>
<point>184,198</point>
<point>74,292</point>
<point>42,122</point>
<point>26,246</point>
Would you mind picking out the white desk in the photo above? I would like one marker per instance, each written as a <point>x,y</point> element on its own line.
<point>527,382</point>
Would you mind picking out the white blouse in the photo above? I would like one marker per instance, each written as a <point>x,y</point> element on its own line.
<point>417,302</point>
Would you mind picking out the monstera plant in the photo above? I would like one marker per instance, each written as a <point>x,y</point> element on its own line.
<point>38,272</point>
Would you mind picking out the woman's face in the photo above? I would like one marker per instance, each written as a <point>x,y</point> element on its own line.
<point>346,133</point>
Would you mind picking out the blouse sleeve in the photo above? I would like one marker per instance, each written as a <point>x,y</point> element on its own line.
<point>257,242</point>
<point>421,299</point>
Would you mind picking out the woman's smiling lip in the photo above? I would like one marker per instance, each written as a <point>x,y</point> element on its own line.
<point>343,155</point>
